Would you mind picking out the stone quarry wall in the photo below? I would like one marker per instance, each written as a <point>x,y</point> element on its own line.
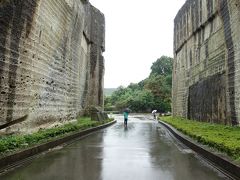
<point>206,76</point>
<point>51,63</point>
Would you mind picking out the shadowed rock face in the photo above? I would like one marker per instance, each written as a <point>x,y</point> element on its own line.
<point>206,49</point>
<point>47,69</point>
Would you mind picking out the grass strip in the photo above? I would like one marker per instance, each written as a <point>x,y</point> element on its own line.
<point>13,143</point>
<point>223,138</point>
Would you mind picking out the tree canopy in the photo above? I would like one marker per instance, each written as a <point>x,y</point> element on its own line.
<point>162,66</point>
<point>151,93</point>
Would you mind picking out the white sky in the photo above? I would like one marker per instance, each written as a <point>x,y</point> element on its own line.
<point>138,32</point>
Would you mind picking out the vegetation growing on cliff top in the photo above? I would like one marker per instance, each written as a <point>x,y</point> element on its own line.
<point>152,93</point>
<point>13,143</point>
<point>224,138</point>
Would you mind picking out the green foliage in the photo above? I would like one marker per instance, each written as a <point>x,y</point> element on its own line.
<point>163,66</point>
<point>224,138</point>
<point>142,100</point>
<point>16,142</point>
<point>151,93</point>
<point>107,104</point>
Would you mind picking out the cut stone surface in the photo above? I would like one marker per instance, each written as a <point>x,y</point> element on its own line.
<point>51,63</point>
<point>206,84</point>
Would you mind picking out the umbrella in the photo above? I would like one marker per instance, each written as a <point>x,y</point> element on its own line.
<point>154,111</point>
<point>127,110</point>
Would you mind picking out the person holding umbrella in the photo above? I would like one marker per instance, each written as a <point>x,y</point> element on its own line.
<point>125,115</point>
<point>154,113</point>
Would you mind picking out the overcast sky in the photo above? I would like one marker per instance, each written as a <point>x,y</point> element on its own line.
<point>138,32</point>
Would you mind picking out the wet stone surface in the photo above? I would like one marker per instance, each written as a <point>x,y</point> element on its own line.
<point>144,150</point>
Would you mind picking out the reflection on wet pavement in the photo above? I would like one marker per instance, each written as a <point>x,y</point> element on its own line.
<point>143,150</point>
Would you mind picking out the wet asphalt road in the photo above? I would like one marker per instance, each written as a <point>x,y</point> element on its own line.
<point>143,151</point>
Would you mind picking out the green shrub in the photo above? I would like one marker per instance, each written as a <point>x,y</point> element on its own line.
<point>224,138</point>
<point>15,142</point>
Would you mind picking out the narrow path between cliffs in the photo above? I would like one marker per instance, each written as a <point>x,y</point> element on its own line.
<point>143,150</point>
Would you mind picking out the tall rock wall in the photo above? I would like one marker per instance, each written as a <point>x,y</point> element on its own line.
<point>51,63</point>
<point>206,76</point>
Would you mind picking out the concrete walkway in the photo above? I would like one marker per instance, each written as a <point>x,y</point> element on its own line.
<point>144,150</point>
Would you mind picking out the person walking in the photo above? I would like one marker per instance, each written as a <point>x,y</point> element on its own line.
<point>154,112</point>
<point>125,115</point>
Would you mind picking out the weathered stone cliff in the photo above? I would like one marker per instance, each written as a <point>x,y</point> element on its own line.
<point>51,63</point>
<point>206,76</point>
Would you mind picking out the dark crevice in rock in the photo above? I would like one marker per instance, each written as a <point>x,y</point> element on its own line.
<point>207,100</point>
<point>224,12</point>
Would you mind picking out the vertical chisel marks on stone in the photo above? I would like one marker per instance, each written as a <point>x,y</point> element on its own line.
<point>41,46</point>
<point>93,59</point>
<point>101,71</point>
<point>224,12</point>
<point>6,16</point>
<point>209,8</point>
<point>206,100</point>
<point>15,16</point>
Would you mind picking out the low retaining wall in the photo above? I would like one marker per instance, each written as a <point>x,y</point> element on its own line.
<point>17,158</point>
<point>225,166</point>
